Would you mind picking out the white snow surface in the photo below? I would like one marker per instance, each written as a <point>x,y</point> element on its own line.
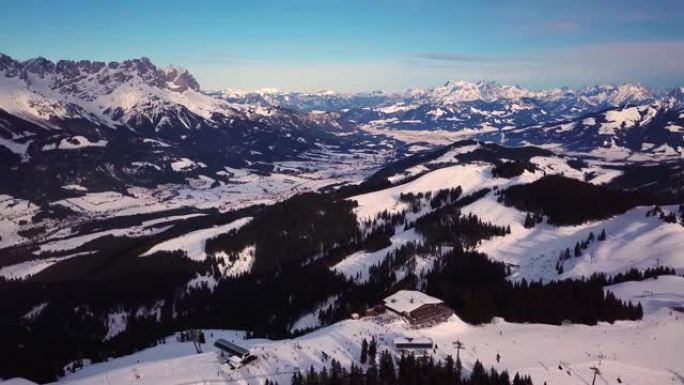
<point>193,242</point>
<point>471,177</point>
<point>666,291</point>
<point>633,240</point>
<point>645,352</point>
<point>356,266</point>
<point>74,143</point>
<point>312,320</point>
<point>409,300</point>
<point>34,266</point>
<point>240,265</point>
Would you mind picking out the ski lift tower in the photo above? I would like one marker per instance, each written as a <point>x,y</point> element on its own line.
<point>596,372</point>
<point>458,345</point>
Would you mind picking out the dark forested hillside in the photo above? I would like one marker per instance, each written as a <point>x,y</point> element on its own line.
<point>567,201</point>
<point>478,290</point>
<point>297,241</point>
<point>299,228</point>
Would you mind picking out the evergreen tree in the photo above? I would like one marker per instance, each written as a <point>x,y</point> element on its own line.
<point>578,249</point>
<point>458,369</point>
<point>355,376</point>
<point>529,221</point>
<point>297,378</point>
<point>478,376</point>
<point>311,377</point>
<point>364,351</point>
<point>372,350</point>
<point>602,236</point>
<point>449,366</point>
<point>386,370</point>
<point>372,374</point>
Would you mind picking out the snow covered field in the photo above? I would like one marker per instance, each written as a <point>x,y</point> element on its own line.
<point>193,243</point>
<point>641,352</point>
<point>246,187</point>
<point>471,177</point>
<point>633,240</point>
<point>645,352</point>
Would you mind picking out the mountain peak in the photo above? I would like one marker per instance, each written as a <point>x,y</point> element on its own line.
<point>106,75</point>
<point>455,91</point>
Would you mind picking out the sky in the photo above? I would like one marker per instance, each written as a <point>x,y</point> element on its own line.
<point>363,45</point>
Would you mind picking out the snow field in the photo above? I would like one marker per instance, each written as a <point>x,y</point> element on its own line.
<point>637,352</point>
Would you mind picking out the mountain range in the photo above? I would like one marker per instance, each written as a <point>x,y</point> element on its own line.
<point>128,123</point>
<point>110,125</point>
<point>135,206</point>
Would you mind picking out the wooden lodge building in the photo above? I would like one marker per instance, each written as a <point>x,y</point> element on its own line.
<point>419,309</point>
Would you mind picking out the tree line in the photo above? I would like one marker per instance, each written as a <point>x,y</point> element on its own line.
<point>408,370</point>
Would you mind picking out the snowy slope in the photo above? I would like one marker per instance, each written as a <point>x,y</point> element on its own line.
<point>633,240</point>
<point>654,294</point>
<point>193,243</point>
<point>638,352</point>
<point>471,177</point>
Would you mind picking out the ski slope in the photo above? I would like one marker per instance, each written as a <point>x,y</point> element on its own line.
<point>471,177</point>
<point>633,241</point>
<point>645,352</point>
<point>193,242</point>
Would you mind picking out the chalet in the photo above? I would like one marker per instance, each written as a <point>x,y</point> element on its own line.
<point>419,309</point>
<point>237,355</point>
<point>406,344</point>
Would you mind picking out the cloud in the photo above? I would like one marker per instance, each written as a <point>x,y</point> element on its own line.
<point>564,26</point>
<point>654,63</point>
<point>448,57</point>
<point>440,59</point>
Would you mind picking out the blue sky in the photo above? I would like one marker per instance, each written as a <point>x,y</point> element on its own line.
<point>360,45</point>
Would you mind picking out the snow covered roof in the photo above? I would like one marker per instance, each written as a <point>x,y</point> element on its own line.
<point>17,381</point>
<point>406,301</point>
<point>231,348</point>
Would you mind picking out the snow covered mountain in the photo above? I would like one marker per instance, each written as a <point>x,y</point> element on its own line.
<point>655,128</point>
<point>450,93</point>
<point>111,125</point>
<point>487,109</point>
<point>134,205</point>
<point>406,205</point>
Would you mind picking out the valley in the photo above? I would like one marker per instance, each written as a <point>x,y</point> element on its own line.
<point>136,206</point>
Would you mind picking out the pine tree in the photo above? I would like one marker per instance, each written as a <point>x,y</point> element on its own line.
<point>336,373</point>
<point>355,375</point>
<point>578,249</point>
<point>364,351</point>
<point>449,366</point>
<point>311,377</point>
<point>297,378</point>
<point>458,369</point>
<point>386,371</point>
<point>372,374</point>
<point>372,349</point>
<point>602,236</point>
<point>529,221</point>
<point>478,375</point>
